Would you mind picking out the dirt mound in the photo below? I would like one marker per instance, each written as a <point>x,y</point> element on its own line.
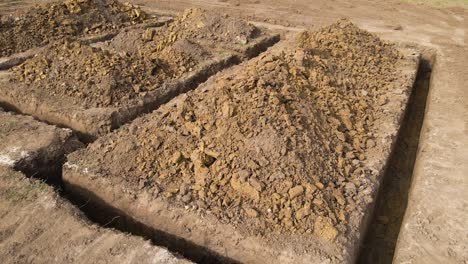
<point>196,24</point>
<point>98,78</point>
<point>206,28</point>
<point>135,62</point>
<point>43,24</point>
<point>280,145</point>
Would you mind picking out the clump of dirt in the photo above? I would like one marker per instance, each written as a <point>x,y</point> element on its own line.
<point>280,145</point>
<point>95,77</point>
<point>43,24</point>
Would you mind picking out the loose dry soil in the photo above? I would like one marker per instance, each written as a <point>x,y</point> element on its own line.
<point>38,226</point>
<point>39,25</point>
<point>277,160</point>
<point>107,84</point>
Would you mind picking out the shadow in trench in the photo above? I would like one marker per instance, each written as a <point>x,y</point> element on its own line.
<point>379,243</point>
<point>105,215</point>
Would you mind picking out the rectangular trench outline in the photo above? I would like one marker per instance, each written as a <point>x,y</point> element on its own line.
<point>126,224</point>
<point>107,216</point>
<point>377,246</point>
<point>353,255</point>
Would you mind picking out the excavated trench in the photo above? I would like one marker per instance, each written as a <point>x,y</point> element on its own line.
<point>380,241</point>
<point>105,215</point>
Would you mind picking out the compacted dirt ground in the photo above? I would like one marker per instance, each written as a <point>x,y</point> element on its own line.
<point>39,226</point>
<point>300,188</point>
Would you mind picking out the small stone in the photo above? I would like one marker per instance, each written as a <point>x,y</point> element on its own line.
<point>172,190</point>
<point>318,201</point>
<point>148,34</point>
<point>193,128</point>
<point>370,143</point>
<point>339,197</point>
<point>186,198</point>
<point>303,212</point>
<point>251,212</point>
<point>201,173</point>
<point>242,40</point>
<point>176,157</point>
<point>310,188</point>
<point>243,175</point>
<point>319,185</point>
<point>227,109</point>
<point>325,229</point>
<point>213,187</point>
<point>347,122</point>
<point>296,191</point>
<point>256,184</point>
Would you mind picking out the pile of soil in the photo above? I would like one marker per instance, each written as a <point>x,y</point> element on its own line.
<point>95,77</point>
<point>280,146</point>
<point>195,26</point>
<point>208,27</point>
<point>42,24</point>
<point>132,64</point>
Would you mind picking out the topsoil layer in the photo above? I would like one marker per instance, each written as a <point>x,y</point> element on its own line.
<point>37,226</point>
<point>42,24</point>
<point>288,148</point>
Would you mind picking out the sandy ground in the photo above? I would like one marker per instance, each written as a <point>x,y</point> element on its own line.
<point>38,226</point>
<point>434,228</point>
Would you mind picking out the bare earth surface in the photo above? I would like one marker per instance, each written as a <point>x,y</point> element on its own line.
<point>434,226</point>
<point>133,73</point>
<point>285,151</point>
<point>38,226</point>
<point>435,223</point>
<point>33,147</point>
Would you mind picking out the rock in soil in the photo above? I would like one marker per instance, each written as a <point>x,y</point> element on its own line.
<point>38,226</point>
<point>276,150</point>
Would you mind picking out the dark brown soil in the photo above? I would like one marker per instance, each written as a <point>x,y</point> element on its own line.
<point>286,145</point>
<point>42,24</point>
